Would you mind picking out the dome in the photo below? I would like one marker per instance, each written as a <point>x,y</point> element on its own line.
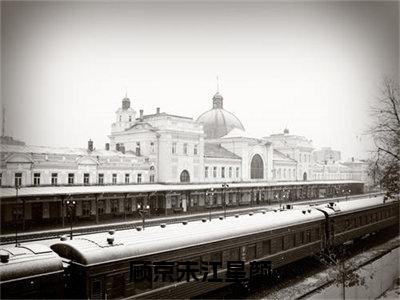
<point>218,122</point>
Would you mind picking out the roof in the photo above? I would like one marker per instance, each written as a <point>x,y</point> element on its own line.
<point>281,156</point>
<point>60,150</point>
<point>353,205</point>
<point>217,151</point>
<point>9,192</point>
<point>239,133</point>
<point>27,261</point>
<point>218,122</point>
<point>94,249</point>
<point>163,114</point>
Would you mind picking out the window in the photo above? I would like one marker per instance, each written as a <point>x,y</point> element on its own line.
<point>18,179</point>
<point>36,179</point>
<point>139,178</point>
<point>214,172</point>
<point>173,148</point>
<point>1,178</point>
<point>251,252</point>
<point>230,172</point>
<point>185,177</point>
<point>101,178</point>
<point>130,118</point>
<point>308,236</point>
<point>137,148</point>
<point>86,177</point>
<point>195,150</point>
<point>114,206</point>
<point>222,172</point>
<point>257,167</point>
<point>54,177</point>
<point>120,119</point>
<point>71,178</point>
<point>126,178</point>
<point>152,178</point>
<point>284,173</point>
<point>237,172</point>
<point>152,149</point>
<point>114,178</point>
<point>185,148</point>
<point>86,208</point>
<point>266,247</point>
<point>205,172</point>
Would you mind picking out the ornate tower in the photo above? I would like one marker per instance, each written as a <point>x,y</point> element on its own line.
<point>125,116</point>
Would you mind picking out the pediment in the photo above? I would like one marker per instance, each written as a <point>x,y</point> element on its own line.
<point>140,127</point>
<point>87,160</point>
<point>19,158</point>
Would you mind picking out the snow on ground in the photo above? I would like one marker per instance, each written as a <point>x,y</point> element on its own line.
<point>375,276</point>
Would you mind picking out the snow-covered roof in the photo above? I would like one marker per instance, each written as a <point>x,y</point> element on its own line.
<point>61,151</point>
<point>239,133</point>
<point>282,157</point>
<point>7,192</point>
<point>353,205</point>
<point>28,260</point>
<point>94,249</point>
<point>216,151</point>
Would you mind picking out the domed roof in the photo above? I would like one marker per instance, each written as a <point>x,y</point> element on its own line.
<point>218,122</point>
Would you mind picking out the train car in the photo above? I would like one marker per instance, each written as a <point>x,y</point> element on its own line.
<point>354,219</point>
<point>105,266</point>
<point>30,271</point>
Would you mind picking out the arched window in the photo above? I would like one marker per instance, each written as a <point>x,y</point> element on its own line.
<point>257,167</point>
<point>304,176</point>
<point>185,176</point>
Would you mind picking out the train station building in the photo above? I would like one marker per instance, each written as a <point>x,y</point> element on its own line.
<point>172,163</point>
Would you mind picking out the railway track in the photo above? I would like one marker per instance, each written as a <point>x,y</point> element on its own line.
<point>56,233</point>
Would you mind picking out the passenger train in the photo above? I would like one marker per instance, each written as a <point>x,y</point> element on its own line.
<point>105,265</point>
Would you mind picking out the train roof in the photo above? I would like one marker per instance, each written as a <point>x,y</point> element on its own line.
<point>94,248</point>
<point>352,205</point>
<point>9,192</point>
<point>27,261</point>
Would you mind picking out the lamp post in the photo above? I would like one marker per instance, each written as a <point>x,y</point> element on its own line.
<point>142,211</point>
<point>225,186</point>
<point>70,207</point>
<point>209,194</point>
<point>16,213</point>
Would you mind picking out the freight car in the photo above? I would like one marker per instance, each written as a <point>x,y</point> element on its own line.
<point>33,271</point>
<point>104,266</point>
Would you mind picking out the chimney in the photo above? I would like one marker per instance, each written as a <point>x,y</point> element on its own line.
<point>107,146</point>
<point>90,145</point>
<point>158,110</point>
<point>141,115</point>
<point>117,146</point>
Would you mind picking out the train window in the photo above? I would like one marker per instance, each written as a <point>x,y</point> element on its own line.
<point>118,286</point>
<point>294,240</point>
<point>308,236</point>
<point>302,237</point>
<point>347,223</point>
<point>317,233</point>
<point>233,254</point>
<point>251,252</point>
<point>96,289</point>
<point>216,256</point>
<point>278,244</point>
<point>359,221</point>
<point>266,247</point>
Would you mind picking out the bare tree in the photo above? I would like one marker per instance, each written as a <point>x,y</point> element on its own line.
<point>385,131</point>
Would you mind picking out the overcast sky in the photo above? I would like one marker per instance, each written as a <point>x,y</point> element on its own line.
<point>311,66</point>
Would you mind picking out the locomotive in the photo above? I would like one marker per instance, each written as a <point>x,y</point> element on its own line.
<point>109,264</point>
